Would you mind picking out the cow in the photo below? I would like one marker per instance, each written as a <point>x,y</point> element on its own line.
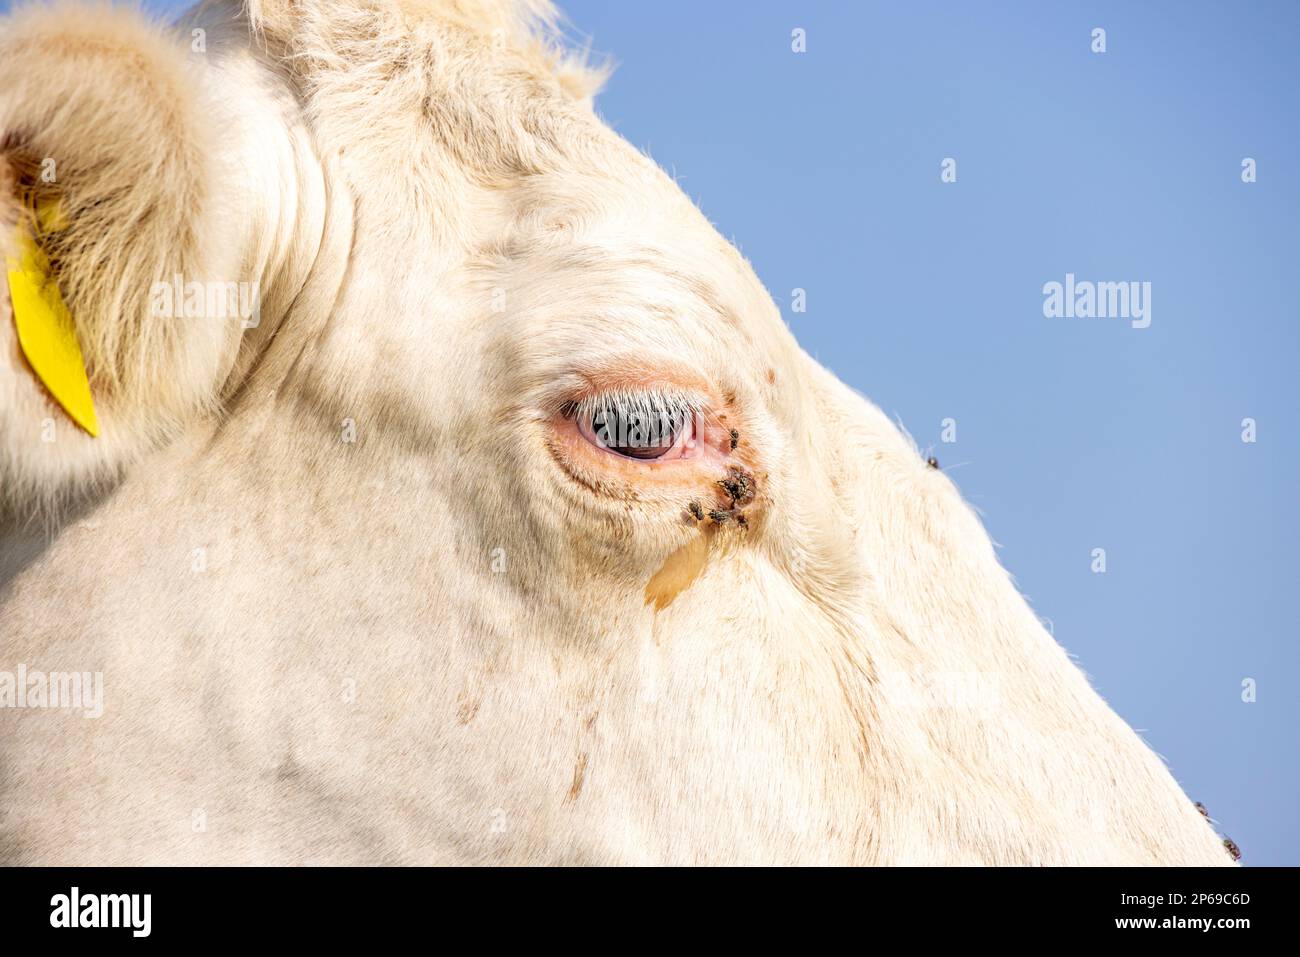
<point>419,478</point>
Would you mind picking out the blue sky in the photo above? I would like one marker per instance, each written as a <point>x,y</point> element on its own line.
<point>1072,434</point>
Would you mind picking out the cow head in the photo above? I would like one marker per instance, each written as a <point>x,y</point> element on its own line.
<point>482,396</point>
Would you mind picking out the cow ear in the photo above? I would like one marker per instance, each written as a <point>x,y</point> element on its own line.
<point>106,164</point>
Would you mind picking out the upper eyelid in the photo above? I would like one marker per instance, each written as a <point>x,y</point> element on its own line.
<point>645,400</point>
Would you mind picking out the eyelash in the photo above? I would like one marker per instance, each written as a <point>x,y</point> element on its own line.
<point>646,403</point>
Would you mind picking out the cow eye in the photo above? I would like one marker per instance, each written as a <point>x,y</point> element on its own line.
<point>645,430</point>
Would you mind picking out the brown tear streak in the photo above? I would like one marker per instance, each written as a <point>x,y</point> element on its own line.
<point>678,572</point>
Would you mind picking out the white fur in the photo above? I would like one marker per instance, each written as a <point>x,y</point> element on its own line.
<point>437,642</point>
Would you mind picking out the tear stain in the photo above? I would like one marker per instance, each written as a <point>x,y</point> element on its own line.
<point>579,775</point>
<point>678,572</point>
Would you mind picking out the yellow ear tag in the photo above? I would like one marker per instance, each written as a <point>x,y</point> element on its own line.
<point>45,330</point>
